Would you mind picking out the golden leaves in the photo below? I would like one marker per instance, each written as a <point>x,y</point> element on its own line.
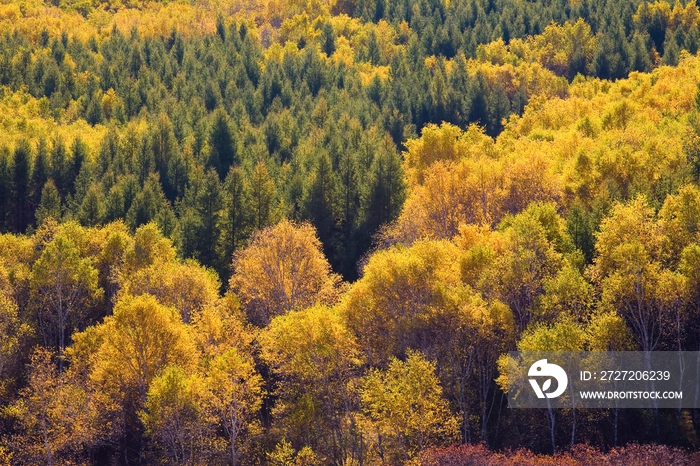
<point>283,269</point>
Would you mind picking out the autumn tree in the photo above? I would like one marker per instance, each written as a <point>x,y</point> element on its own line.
<point>149,247</point>
<point>236,395</point>
<point>175,418</point>
<point>405,409</point>
<point>223,145</point>
<point>630,271</point>
<point>124,354</point>
<point>315,357</point>
<point>138,340</point>
<point>187,287</point>
<point>282,269</point>
<point>400,301</point>
<point>63,287</point>
<point>57,423</point>
<point>16,332</point>
<point>530,256</point>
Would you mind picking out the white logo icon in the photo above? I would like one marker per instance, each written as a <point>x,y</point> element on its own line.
<point>542,368</point>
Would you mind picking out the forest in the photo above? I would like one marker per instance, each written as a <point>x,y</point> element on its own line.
<point>305,233</point>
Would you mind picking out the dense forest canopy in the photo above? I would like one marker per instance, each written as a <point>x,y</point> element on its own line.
<point>305,233</point>
<point>128,110</point>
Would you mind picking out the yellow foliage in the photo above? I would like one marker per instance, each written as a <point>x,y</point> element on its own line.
<point>296,28</point>
<point>32,19</point>
<point>344,52</point>
<point>680,219</point>
<point>140,339</point>
<point>404,404</point>
<point>56,418</point>
<point>221,326</point>
<point>175,416</point>
<point>187,287</point>
<point>312,345</point>
<point>496,53</point>
<point>283,269</point>
<point>149,248</point>
<point>437,143</point>
<point>247,10</point>
<point>458,178</point>
<point>558,44</point>
<point>158,19</point>
<point>401,291</point>
<point>517,65</point>
<point>25,117</point>
<point>605,139</point>
<point>346,27</point>
<point>680,16</point>
<point>368,72</point>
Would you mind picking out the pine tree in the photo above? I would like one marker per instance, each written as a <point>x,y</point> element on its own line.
<point>178,175</point>
<point>20,186</point>
<point>79,152</point>
<point>221,27</point>
<point>235,222</point>
<point>348,211</point>
<point>208,205</point>
<point>5,188</point>
<point>386,190</point>
<point>328,37</point>
<point>671,51</point>
<point>146,204</point>
<point>92,209</point>
<point>223,145</point>
<point>40,172</point>
<point>93,112</point>
<point>114,204</point>
<point>459,103</point>
<point>164,147</point>
<point>438,95</point>
<point>145,162</point>
<point>318,204</point>
<point>262,192</point>
<point>59,166</point>
<point>478,111</point>
<point>109,155</point>
<point>498,107</point>
<point>373,52</point>
<point>86,178</point>
<point>167,220</point>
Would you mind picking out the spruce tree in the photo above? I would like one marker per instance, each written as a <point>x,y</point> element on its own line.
<point>222,144</point>
<point>318,205</point>
<point>208,205</point>
<point>79,152</point>
<point>386,190</point>
<point>146,204</point>
<point>235,223</point>
<point>40,171</point>
<point>50,205</point>
<point>20,186</point>
<point>59,166</point>
<point>498,107</point>
<point>262,192</point>
<point>5,188</point>
<point>92,209</point>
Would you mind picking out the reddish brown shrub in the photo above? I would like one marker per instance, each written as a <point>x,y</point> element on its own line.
<point>581,455</point>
